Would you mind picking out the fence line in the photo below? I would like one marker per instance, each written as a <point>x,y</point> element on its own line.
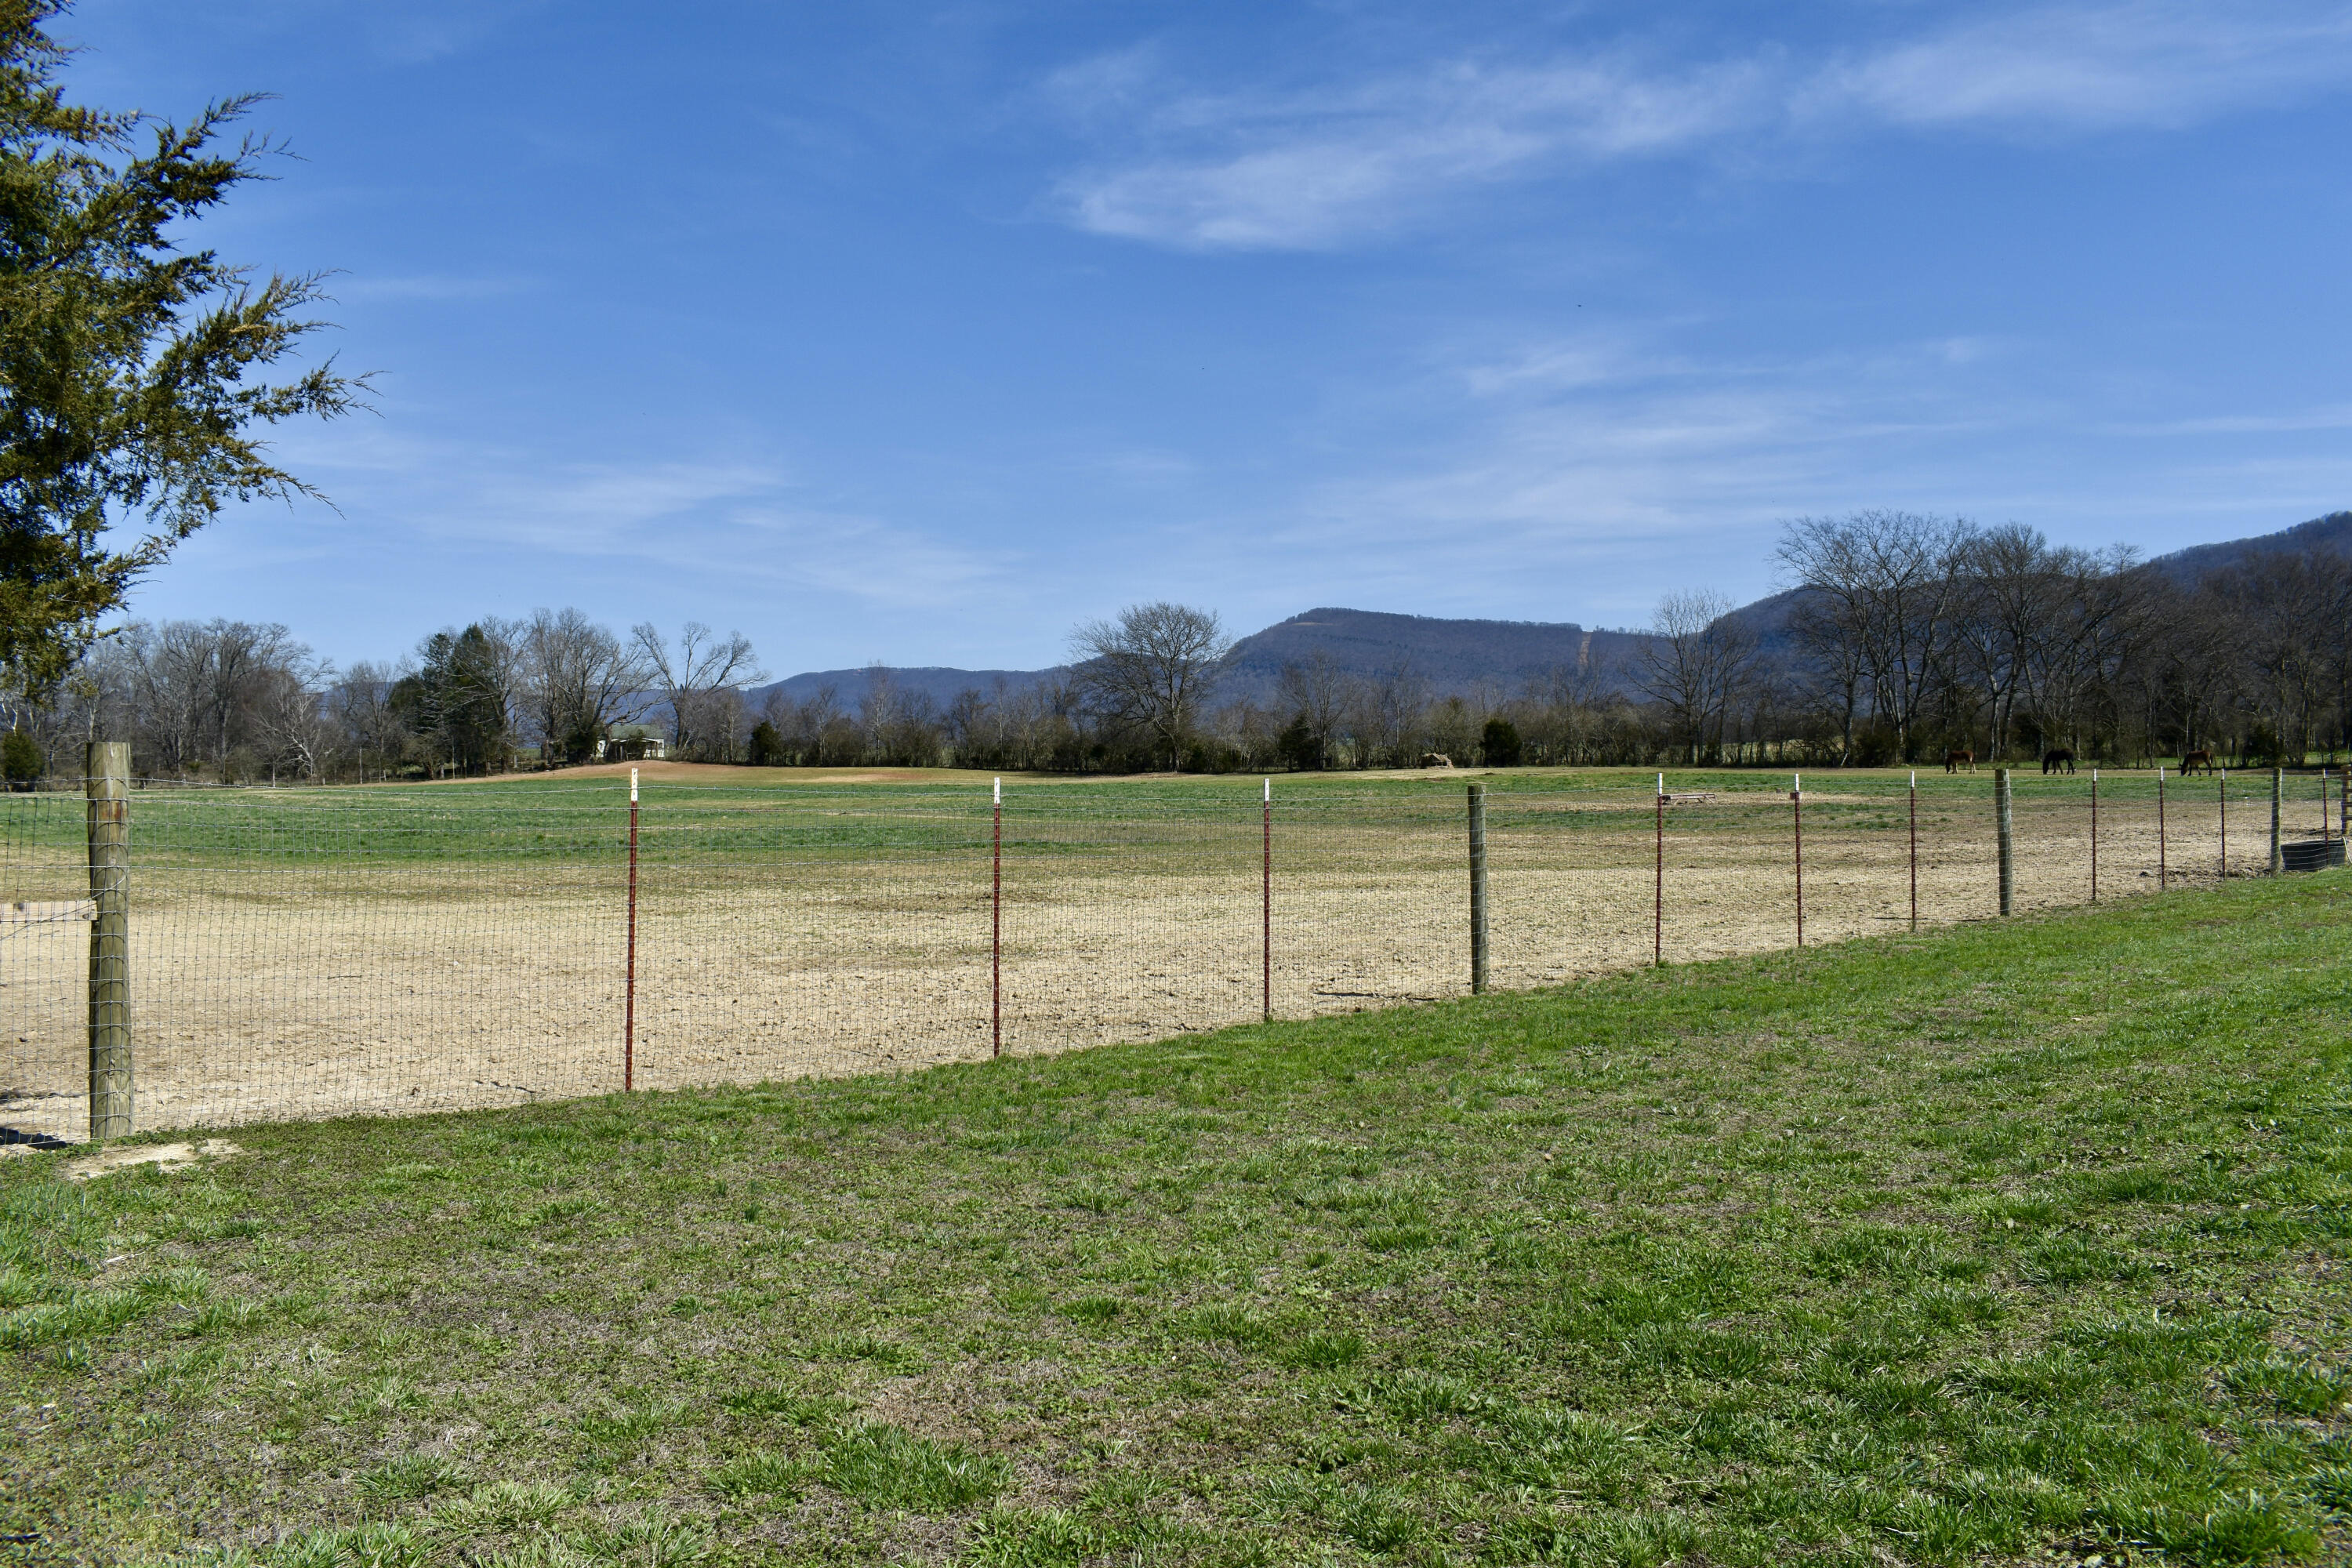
<point>284,954</point>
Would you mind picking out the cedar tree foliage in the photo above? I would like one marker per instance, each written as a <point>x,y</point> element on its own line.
<point>131,371</point>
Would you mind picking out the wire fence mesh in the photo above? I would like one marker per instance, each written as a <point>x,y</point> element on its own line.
<point>313,953</point>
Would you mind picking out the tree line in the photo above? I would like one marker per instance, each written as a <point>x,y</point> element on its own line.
<point>1905,637</point>
<point>235,703</point>
<point>1914,636</point>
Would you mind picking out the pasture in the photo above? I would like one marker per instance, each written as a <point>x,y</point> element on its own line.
<point>306,952</point>
<point>2022,1242</point>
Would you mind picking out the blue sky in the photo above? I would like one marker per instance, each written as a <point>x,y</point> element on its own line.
<point>921,332</point>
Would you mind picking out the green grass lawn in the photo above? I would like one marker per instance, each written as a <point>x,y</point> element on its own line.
<point>2019,1243</point>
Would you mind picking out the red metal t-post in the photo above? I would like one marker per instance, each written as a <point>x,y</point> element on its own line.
<point>1797,809</point>
<point>2094,835</point>
<point>1658,922</point>
<point>1914,850</point>
<point>629,1003</point>
<point>996,927</point>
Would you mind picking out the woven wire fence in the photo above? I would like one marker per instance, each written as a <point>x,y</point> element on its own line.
<point>326,951</point>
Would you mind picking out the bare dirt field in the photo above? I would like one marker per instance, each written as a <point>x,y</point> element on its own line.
<point>271,985</point>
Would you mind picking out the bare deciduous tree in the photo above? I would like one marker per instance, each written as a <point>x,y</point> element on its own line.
<point>1893,582</point>
<point>1697,664</point>
<point>361,705</point>
<point>1390,716</point>
<point>689,677</point>
<point>193,689</point>
<point>289,716</point>
<point>580,681</point>
<point>1317,696</point>
<point>1153,669</point>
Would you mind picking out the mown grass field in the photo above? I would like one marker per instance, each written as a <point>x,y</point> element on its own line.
<point>2024,1242</point>
<point>710,812</point>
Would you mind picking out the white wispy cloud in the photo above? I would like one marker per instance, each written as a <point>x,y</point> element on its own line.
<point>1332,164</point>
<point>1316,169</point>
<point>745,522</point>
<point>864,558</point>
<point>2293,421</point>
<point>2148,64</point>
<point>686,521</point>
<point>422,32</point>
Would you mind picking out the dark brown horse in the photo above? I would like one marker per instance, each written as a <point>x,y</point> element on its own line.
<point>2191,761</point>
<point>1955,760</point>
<point>2057,759</point>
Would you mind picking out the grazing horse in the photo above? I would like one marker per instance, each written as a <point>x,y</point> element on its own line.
<point>2191,761</point>
<point>1955,760</point>
<point>2056,759</point>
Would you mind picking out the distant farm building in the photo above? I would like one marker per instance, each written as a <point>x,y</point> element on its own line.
<point>635,743</point>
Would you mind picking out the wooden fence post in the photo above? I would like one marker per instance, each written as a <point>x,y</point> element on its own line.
<point>105,773</point>
<point>1477,889</point>
<point>2006,819</point>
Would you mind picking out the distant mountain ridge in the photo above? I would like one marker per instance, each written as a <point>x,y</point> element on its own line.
<point>1448,655</point>
<point>939,682</point>
<point>2333,532</point>
<point>1451,655</point>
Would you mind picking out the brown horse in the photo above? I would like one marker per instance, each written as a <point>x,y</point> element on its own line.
<point>1955,760</point>
<point>2191,761</point>
<point>2057,759</point>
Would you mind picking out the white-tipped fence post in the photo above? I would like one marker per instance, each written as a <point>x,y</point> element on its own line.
<point>1658,903</point>
<point>1797,821</point>
<point>1477,889</point>
<point>2163,871</point>
<point>2278,795</point>
<point>2006,822</point>
<point>2094,835</point>
<point>629,964</point>
<point>2223,788</point>
<point>1914,849</point>
<point>1265,912</point>
<point>106,772</point>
